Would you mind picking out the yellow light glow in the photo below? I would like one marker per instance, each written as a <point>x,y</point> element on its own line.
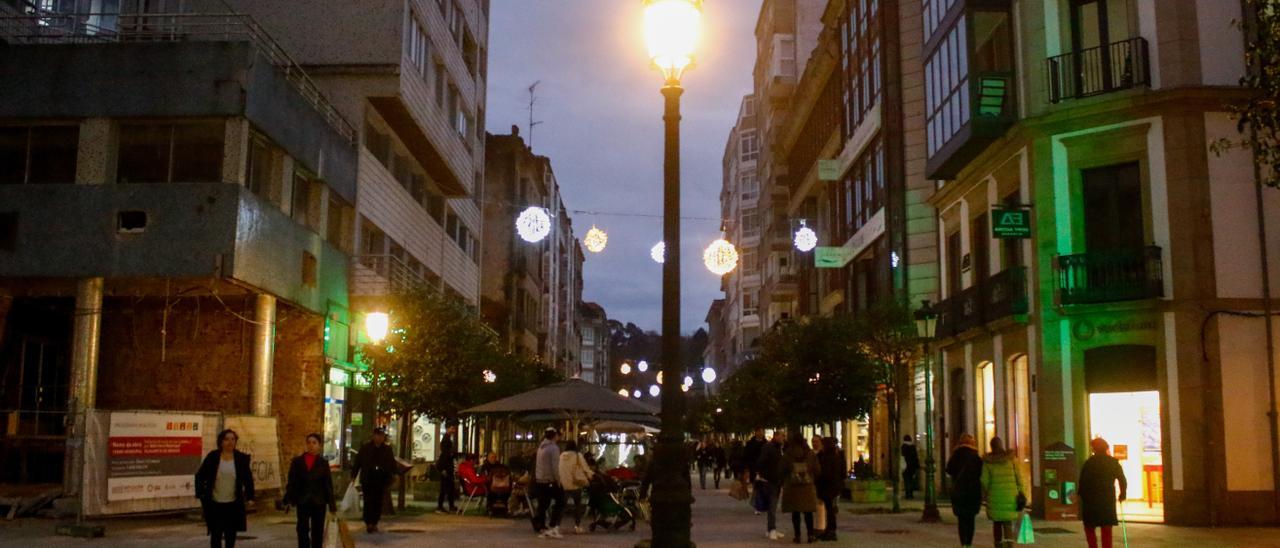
<point>720,257</point>
<point>595,240</point>
<point>623,392</point>
<point>671,31</point>
<point>659,377</point>
<point>375,325</point>
<point>625,368</point>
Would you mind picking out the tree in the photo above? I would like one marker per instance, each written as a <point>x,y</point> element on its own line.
<point>820,373</point>
<point>888,336</point>
<point>1258,117</point>
<point>748,398</point>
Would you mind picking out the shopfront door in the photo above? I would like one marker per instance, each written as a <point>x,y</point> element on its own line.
<point>1130,422</point>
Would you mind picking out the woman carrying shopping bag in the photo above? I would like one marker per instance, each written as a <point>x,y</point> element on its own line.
<point>1006,495</point>
<point>310,490</point>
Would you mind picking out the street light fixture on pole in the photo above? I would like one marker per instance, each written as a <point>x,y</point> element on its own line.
<point>671,29</point>
<point>926,323</point>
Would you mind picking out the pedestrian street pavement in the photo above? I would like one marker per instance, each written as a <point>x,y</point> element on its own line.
<point>718,521</point>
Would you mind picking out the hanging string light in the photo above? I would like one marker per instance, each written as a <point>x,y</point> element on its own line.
<point>533,224</point>
<point>806,239</point>
<point>659,252</point>
<point>659,377</point>
<point>654,390</point>
<point>642,366</point>
<point>595,240</point>
<point>720,257</point>
<point>708,375</point>
<point>623,392</point>
<point>625,368</point>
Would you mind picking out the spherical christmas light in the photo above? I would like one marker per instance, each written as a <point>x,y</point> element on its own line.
<point>806,239</point>
<point>533,224</point>
<point>595,240</point>
<point>490,377</point>
<point>623,392</point>
<point>659,252</point>
<point>720,257</point>
<point>642,366</point>
<point>659,377</point>
<point>636,394</point>
<point>625,368</point>
<point>688,381</point>
<point>708,375</point>
<point>654,390</point>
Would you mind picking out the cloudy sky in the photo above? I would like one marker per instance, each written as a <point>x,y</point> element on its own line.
<point>601,115</point>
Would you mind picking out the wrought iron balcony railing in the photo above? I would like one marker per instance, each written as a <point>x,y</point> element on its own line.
<point>1098,70</point>
<point>1001,296</point>
<point>1110,276</point>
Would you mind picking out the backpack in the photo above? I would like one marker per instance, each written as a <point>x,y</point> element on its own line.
<point>800,474</point>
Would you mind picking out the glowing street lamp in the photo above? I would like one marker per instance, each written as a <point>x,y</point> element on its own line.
<point>671,32</point>
<point>375,326</point>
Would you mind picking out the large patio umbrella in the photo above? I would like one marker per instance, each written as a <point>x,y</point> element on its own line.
<point>575,400</point>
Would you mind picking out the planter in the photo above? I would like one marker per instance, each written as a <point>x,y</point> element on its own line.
<point>868,490</point>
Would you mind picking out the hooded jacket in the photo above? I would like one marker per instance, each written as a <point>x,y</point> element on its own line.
<point>1002,484</point>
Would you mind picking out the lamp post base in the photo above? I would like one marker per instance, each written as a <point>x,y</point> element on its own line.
<point>672,498</point>
<point>931,514</point>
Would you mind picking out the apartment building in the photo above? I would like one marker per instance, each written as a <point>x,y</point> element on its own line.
<point>532,291</point>
<point>411,76</point>
<point>740,213</point>
<point>176,225</point>
<point>1101,266</point>
<point>595,344</point>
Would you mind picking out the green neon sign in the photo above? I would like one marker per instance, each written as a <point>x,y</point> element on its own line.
<point>1011,223</point>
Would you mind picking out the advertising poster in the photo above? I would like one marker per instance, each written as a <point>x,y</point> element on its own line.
<point>153,455</point>
<point>259,439</point>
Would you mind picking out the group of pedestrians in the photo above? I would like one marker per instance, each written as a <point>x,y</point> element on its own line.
<point>559,477</point>
<point>796,477</point>
<point>995,478</point>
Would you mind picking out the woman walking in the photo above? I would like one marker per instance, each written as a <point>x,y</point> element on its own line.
<point>1006,495</point>
<point>574,476</point>
<point>965,469</point>
<point>831,483</point>
<point>1098,493</point>
<point>224,485</point>
<point>800,471</point>
<point>310,489</point>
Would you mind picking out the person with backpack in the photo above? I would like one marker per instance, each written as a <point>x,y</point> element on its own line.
<point>1097,493</point>
<point>965,469</point>
<point>1006,495</point>
<point>575,475</point>
<point>800,470</point>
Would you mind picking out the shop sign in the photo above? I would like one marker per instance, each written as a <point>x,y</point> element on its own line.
<point>153,455</point>
<point>831,257</point>
<point>1085,329</point>
<point>1121,452</point>
<point>259,438</point>
<point>1011,223</point>
<point>357,418</point>
<point>828,170</point>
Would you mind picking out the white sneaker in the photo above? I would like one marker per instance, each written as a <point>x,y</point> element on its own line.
<point>554,532</point>
<point>775,535</point>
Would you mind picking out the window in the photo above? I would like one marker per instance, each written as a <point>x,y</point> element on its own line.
<point>750,146</point>
<point>402,170</point>
<point>860,63</point>
<point>588,358</point>
<point>749,107</point>
<point>307,195</point>
<point>750,223</point>
<point>749,264</point>
<point>749,186</point>
<point>947,88</point>
<point>860,193</point>
<point>417,47</point>
<point>470,54</point>
<point>456,22</point>
<point>264,168</point>
<point>40,154</point>
<point>435,206</point>
<point>379,144</point>
<point>749,303</point>
<point>338,232</point>
<point>161,153</point>
<point>442,81</point>
<point>372,240</point>
<point>934,12</point>
<point>785,52</point>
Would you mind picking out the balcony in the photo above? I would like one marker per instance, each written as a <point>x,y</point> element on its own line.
<point>1110,276</point>
<point>1001,296</point>
<point>1098,70</point>
<point>378,275</point>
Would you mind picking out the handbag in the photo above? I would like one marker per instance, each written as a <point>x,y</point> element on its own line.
<point>1026,535</point>
<point>1021,502</point>
<point>739,490</point>
<point>350,499</point>
<point>820,518</point>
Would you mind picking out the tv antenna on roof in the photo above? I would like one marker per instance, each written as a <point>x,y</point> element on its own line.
<point>533,99</point>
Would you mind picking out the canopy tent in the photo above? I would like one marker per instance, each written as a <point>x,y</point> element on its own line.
<point>574,400</point>
<point>624,427</point>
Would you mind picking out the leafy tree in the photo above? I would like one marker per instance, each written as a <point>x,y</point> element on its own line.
<point>1258,117</point>
<point>748,398</point>
<point>820,373</point>
<point>888,336</point>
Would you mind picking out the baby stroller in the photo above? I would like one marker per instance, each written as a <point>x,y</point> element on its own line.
<point>499,491</point>
<point>607,505</point>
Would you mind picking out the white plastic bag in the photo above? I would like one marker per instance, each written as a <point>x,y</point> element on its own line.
<point>332,538</point>
<point>350,499</point>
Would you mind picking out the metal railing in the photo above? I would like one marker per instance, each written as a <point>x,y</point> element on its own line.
<point>999,296</point>
<point>1110,276</point>
<point>1098,70</point>
<point>104,28</point>
<point>382,275</point>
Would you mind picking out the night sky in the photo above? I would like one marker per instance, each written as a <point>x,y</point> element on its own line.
<point>601,114</point>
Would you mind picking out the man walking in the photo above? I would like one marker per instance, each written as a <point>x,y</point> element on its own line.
<point>547,488</point>
<point>751,453</point>
<point>912,459</point>
<point>769,478</point>
<point>375,463</point>
<point>448,490</point>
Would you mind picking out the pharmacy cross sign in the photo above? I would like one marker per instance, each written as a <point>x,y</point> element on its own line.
<point>1011,222</point>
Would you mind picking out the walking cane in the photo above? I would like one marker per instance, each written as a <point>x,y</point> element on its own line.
<point>1124,528</point>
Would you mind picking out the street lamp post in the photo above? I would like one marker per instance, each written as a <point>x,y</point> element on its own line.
<point>926,322</point>
<point>671,29</point>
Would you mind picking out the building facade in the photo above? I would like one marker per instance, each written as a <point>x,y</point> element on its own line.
<point>1126,298</point>
<point>739,201</point>
<point>595,344</point>
<point>175,229</point>
<point>532,291</point>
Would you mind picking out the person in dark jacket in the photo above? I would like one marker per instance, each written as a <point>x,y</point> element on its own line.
<point>375,466</point>
<point>831,483</point>
<point>707,462</point>
<point>224,485</point>
<point>448,487</point>
<point>1097,492</point>
<point>965,469</point>
<point>751,453</point>
<point>911,457</point>
<point>769,479</point>
<point>737,460</point>
<point>310,489</point>
<point>719,460</point>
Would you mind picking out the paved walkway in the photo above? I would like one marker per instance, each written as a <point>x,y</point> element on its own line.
<point>719,521</point>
